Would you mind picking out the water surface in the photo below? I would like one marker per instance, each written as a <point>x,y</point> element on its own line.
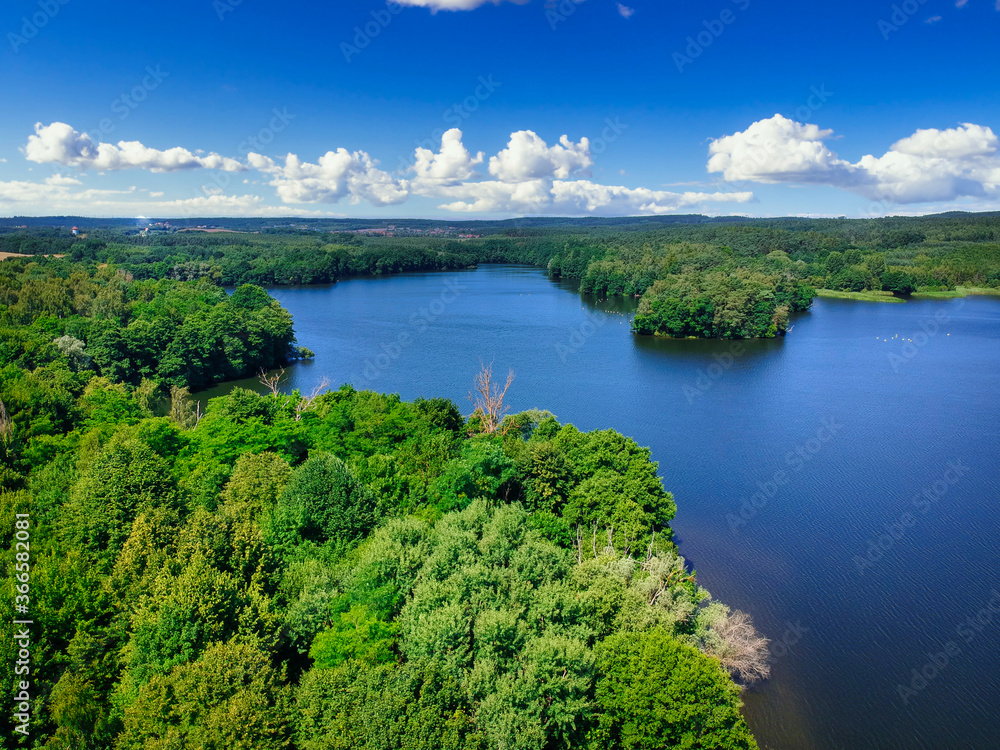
<point>797,465</point>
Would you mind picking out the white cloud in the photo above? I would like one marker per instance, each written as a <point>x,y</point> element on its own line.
<point>625,11</point>
<point>34,198</point>
<point>930,165</point>
<point>62,180</point>
<point>59,143</point>
<point>436,5</point>
<point>338,174</point>
<point>527,176</point>
<point>528,157</point>
<point>585,197</point>
<point>577,198</point>
<point>453,163</point>
<point>961,3</point>
<point>933,19</point>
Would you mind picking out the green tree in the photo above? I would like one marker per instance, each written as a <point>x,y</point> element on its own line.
<point>230,697</point>
<point>322,502</point>
<point>655,692</point>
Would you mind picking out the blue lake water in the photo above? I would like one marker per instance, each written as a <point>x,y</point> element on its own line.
<point>841,484</point>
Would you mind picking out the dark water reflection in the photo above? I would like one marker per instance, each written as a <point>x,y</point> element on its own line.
<point>854,420</point>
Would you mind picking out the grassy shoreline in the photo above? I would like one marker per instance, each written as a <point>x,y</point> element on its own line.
<point>873,296</point>
<point>861,296</point>
<point>962,291</point>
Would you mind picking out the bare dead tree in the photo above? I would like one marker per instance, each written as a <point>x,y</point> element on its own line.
<point>488,402</point>
<point>742,650</point>
<point>306,402</point>
<point>271,382</point>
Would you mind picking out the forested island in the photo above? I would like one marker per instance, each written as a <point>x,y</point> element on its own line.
<point>694,276</point>
<point>338,569</point>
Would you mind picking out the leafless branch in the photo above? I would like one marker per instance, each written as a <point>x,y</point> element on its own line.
<point>488,402</point>
<point>306,402</point>
<point>271,382</point>
<point>743,651</point>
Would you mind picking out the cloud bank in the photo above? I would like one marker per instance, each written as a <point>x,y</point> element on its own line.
<point>929,165</point>
<point>527,176</point>
<point>58,143</point>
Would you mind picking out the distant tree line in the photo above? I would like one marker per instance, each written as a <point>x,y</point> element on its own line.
<point>773,265</point>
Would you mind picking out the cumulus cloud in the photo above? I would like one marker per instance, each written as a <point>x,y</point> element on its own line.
<point>337,175</point>
<point>532,177</point>
<point>578,198</point>
<point>930,165</point>
<point>526,176</point>
<point>58,143</point>
<point>624,11</point>
<point>436,5</point>
<point>452,164</point>
<point>528,157</point>
<point>62,180</point>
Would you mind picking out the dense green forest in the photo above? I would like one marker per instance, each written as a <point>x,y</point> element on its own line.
<point>721,278</point>
<point>328,570</point>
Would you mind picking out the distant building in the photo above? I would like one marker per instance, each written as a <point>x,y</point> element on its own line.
<point>75,231</point>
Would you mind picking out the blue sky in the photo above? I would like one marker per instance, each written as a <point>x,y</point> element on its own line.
<point>720,107</point>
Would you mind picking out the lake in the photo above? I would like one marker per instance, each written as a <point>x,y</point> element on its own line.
<point>840,484</point>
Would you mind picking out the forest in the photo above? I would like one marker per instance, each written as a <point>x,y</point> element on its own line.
<point>727,277</point>
<point>338,569</point>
